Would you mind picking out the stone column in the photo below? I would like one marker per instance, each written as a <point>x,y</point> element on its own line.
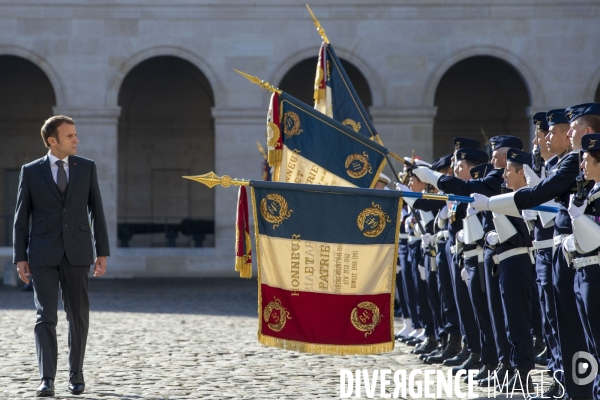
<point>97,133</point>
<point>236,155</point>
<point>404,130</point>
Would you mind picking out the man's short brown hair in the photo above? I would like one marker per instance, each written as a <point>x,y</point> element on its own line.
<point>593,121</point>
<point>50,128</point>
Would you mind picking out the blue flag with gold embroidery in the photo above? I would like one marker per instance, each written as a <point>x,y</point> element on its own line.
<point>336,97</point>
<point>316,149</point>
<point>328,246</point>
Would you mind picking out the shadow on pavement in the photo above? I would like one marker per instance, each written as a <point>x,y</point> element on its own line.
<point>208,296</point>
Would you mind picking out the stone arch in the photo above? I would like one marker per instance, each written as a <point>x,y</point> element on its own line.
<point>534,89</point>
<point>112,95</point>
<point>41,63</point>
<point>377,93</point>
<point>481,97</point>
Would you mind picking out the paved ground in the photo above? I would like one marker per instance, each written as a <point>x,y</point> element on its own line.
<point>175,339</point>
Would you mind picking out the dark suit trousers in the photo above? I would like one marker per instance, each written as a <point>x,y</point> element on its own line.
<point>73,282</point>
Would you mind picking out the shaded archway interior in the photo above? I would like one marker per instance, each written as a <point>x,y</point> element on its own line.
<point>300,79</point>
<point>26,101</point>
<point>166,130</point>
<point>480,97</point>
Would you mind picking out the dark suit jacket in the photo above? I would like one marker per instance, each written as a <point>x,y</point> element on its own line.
<point>60,224</point>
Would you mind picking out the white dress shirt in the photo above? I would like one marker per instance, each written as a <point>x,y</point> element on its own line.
<point>54,167</point>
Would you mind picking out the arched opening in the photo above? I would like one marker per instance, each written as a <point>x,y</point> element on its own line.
<point>166,131</point>
<point>299,81</point>
<point>26,102</point>
<point>480,97</point>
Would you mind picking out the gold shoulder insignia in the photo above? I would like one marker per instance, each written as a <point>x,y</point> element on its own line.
<point>274,209</point>
<point>357,165</point>
<point>275,315</point>
<point>368,318</point>
<point>374,218</point>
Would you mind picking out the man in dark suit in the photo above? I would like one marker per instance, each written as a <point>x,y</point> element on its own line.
<point>60,194</point>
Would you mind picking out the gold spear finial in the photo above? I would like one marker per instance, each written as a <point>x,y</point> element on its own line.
<point>261,150</point>
<point>262,84</point>
<point>211,180</point>
<point>318,25</point>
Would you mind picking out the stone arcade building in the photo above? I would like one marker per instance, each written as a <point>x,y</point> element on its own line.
<point>152,89</point>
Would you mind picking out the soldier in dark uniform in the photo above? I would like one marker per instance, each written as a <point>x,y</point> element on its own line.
<point>559,186</point>
<point>543,160</point>
<point>586,243</point>
<point>465,160</point>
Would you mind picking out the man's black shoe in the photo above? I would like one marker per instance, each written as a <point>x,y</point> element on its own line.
<point>471,363</point>
<point>429,345</point>
<point>554,391</point>
<point>521,381</point>
<point>487,369</point>
<point>452,348</point>
<point>76,383</point>
<point>46,388</point>
<point>499,373</point>
<point>542,358</point>
<point>457,359</point>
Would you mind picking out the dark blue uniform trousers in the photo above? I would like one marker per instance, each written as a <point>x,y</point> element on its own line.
<point>543,267</point>
<point>446,290</point>
<point>496,309</point>
<point>423,307</point>
<point>433,297</point>
<point>482,313</point>
<point>517,286</point>
<point>587,289</point>
<point>571,338</point>
<point>408,287</point>
<point>399,287</point>
<point>463,304</point>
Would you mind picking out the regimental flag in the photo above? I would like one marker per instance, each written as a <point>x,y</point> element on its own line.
<point>326,261</point>
<point>316,149</point>
<point>336,97</point>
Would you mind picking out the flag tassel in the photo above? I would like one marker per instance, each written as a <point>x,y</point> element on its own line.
<point>243,246</point>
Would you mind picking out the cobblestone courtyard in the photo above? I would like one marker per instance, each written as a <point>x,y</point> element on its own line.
<point>175,339</point>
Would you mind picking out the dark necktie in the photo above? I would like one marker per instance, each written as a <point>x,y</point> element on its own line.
<point>61,176</point>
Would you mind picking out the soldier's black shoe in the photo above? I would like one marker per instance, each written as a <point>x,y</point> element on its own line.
<point>542,358</point>
<point>484,372</point>
<point>423,357</point>
<point>429,345</point>
<point>498,374</point>
<point>452,348</point>
<point>521,381</point>
<point>46,388</point>
<point>553,392</point>
<point>413,342</point>
<point>471,363</point>
<point>457,359</point>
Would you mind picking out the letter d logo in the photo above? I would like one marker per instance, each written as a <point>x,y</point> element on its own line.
<point>591,367</point>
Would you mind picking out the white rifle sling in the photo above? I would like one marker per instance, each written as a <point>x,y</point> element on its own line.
<point>587,233</point>
<point>504,228</point>
<point>473,229</point>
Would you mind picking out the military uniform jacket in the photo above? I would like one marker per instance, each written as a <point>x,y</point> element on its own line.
<point>593,211</point>
<point>60,224</point>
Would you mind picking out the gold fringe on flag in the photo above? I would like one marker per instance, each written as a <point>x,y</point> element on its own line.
<point>274,156</point>
<point>336,350</point>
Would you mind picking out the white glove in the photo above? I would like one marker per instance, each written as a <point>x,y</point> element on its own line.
<point>427,175</point>
<point>422,272</point>
<point>531,177</point>
<point>460,236</point>
<point>481,202</point>
<point>425,240</point>
<point>569,243</point>
<point>464,275</point>
<point>492,238</point>
<point>407,223</point>
<point>471,210</point>
<point>575,211</point>
<point>443,213</point>
<point>398,268</point>
<point>529,215</point>
<point>402,187</point>
<point>417,230</point>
